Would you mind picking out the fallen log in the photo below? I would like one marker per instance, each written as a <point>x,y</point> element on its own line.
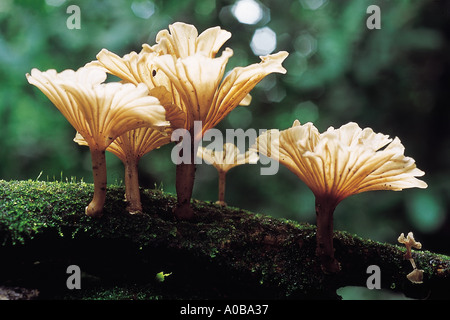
<point>223,253</point>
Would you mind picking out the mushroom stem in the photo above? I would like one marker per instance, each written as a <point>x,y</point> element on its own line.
<point>132,192</point>
<point>184,184</point>
<point>413,263</point>
<point>95,207</point>
<point>222,183</point>
<point>325,250</point>
<point>185,175</point>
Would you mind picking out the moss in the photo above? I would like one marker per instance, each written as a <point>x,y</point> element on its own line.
<point>125,292</point>
<point>31,209</point>
<point>222,253</point>
<point>24,206</point>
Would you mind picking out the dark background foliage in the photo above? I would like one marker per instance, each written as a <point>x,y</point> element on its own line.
<point>394,80</point>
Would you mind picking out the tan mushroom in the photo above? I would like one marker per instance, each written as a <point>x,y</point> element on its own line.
<point>197,76</point>
<point>336,164</point>
<point>416,276</point>
<point>224,160</point>
<point>409,243</point>
<point>100,112</point>
<point>131,146</point>
<point>185,64</point>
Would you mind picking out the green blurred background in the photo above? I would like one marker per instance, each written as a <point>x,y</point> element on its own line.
<point>394,80</point>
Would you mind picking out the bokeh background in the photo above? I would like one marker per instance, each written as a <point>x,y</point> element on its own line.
<point>394,80</point>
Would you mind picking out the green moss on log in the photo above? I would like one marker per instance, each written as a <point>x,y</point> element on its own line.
<point>222,253</point>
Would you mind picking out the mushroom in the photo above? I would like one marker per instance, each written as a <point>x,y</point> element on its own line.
<point>185,64</point>
<point>409,243</point>
<point>189,62</point>
<point>100,112</point>
<point>336,164</point>
<point>131,146</point>
<point>416,276</point>
<point>223,161</point>
<point>138,68</point>
<point>132,67</point>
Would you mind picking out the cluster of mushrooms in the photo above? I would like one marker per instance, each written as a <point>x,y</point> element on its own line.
<point>179,81</point>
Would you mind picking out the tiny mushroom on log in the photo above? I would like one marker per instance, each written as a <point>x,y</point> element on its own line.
<point>416,276</point>
<point>100,112</point>
<point>409,243</point>
<point>132,145</point>
<point>229,157</point>
<point>336,164</point>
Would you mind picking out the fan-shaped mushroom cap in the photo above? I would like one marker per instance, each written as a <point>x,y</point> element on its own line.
<point>341,162</point>
<point>100,112</point>
<point>227,158</point>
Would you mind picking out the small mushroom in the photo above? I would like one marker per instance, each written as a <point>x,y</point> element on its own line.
<point>100,112</point>
<point>132,145</point>
<point>223,161</point>
<point>415,276</point>
<point>336,164</point>
<point>138,68</point>
<point>409,243</point>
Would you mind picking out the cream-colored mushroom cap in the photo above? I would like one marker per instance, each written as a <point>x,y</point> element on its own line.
<point>341,162</point>
<point>409,241</point>
<point>49,82</point>
<point>132,67</point>
<point>185,64</point>
<point>138,142</point>
<point>190,63</point>
<point>100,112</point>
<point>415,276</point>
<point>183,40</point>
<point>114,108</point>
<point>227,158</point>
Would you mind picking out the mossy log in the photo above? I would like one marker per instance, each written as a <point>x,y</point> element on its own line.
<point>223,253</point>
